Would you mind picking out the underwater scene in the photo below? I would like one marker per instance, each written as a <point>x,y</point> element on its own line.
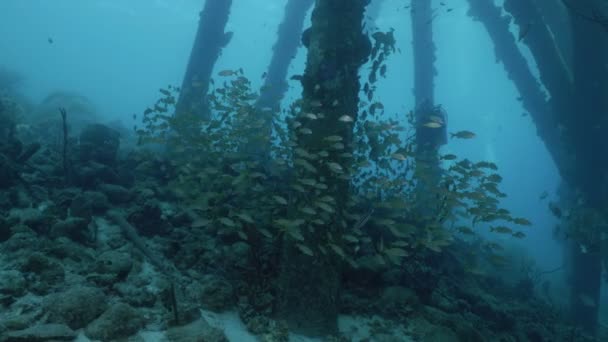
<point>303,170</point>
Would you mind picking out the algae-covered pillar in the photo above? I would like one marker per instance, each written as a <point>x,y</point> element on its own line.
<point>284,50</point>
<point>424,52</point>
<point>533,32</point>
<point>572,121</point>
<point>372,13</point>
<point>585,130</point>
<point>518,70</point>
<point>208,44</point>
<point>337,48</point>
<point>577,87</point>
<point>428,139</point>
<point>275,86</point>
<point>556,18</point>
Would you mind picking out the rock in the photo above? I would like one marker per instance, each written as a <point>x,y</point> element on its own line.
<point>182,218</point>
<point>36,263</point>
<point>20,153</point>
<point>120,320</point>
<point>23,238</point>
<point>383,337</point>
<point>468,332</point>
<point>23,313</point>
<point>188,307</point>
<point>75,307</point>
<point>12,283</point>
<point>89,203</point>
<point>197,331</point>
<point>397,297</point>
<point>464,327</point>
<point>5,230</point>
<point>33,218</point>
<point>258,324</point>
<point>440,334</point>
<point>75,228</point>
<point>16,322</point>
<point>240,249</point>
<point>64,197</point>
<point>8,175</point>
<point>137,296</point>
<point>115,193</point>
<point>423,330</point>
<point>114,264</point>
<point>216,293</point>
<point>495,312</point>
<point>99,143</point>
<point>5,199</point>
<point>42,333</point>
<point>237,252</point>
<point>88,175</point>
<point>142,194</point>
<point>47,273</point>
<point>392,277</point>
<point>21,198</point>
<point>69,252</point>
<point>38,193</point>
<point>148,219</point>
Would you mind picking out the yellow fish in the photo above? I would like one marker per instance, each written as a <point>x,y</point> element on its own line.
<point>226,73</point>
<point>432,124</point>
<point>519,235</point>
<point>463,135</point>
<point>398,156</point>
<point>437,119</point>
<point>346,118</point>
<point>502,230</point>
